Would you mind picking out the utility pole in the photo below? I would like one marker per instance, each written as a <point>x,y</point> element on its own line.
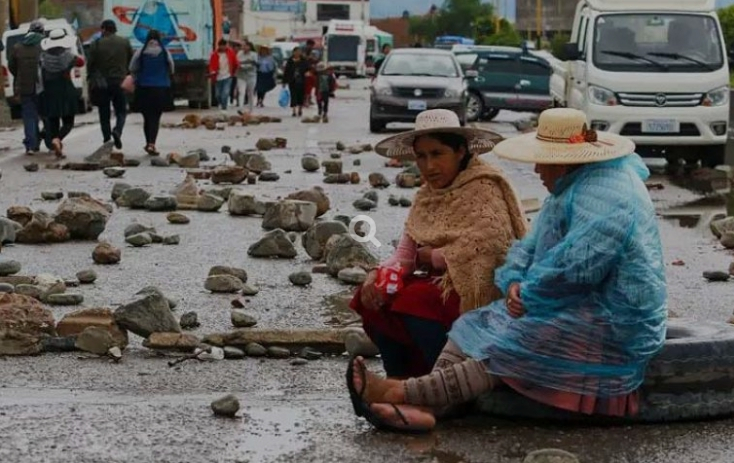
<point>539,19</point>
<point>4,109</point>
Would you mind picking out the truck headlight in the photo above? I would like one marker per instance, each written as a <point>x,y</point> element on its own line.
<point>602,96</point>
<point>718,97</point>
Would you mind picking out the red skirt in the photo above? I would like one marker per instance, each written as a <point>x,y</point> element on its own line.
<point>420,297</point>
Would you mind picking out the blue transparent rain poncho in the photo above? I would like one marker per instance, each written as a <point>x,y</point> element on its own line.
<point>592,282</point>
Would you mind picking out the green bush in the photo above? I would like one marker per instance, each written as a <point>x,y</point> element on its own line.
<point>558,42</point>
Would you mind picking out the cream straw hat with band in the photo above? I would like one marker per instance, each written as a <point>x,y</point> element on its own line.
<point>563,137</point>
<point>434,121</point>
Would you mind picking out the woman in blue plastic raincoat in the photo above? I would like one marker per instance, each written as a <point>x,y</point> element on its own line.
<point>585,304</point>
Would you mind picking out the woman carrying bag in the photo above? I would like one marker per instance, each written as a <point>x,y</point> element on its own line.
<point>152,67</point>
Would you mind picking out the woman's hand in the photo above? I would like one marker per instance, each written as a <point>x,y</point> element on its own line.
<point>425,256</point>
<point>514,303</point>
<point>370,296</point>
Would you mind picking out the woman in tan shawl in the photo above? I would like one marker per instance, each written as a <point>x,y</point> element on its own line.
<point>462,223</point>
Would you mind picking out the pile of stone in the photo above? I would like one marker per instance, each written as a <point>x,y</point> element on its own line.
<point>195,121</point>
<point>77,218</point>
<point>44,288</point>
<point>138,235</point>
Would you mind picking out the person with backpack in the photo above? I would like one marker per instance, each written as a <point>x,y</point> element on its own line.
<point>23,61</point>
<point>59,101</point>
<point>152,67</point>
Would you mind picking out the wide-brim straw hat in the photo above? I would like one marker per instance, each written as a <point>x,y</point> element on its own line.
<point>563,137</point>
<point>437,121</point>
<point>58,38</point>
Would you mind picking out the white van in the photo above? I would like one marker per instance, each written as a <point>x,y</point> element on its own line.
<point>79,75</point>
<point>345,47</point>
<point>655,71</point>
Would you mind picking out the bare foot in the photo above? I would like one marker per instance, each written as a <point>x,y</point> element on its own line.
<point>417,418</point>
<point>377,390</point>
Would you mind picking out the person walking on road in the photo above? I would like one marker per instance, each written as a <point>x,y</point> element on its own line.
<point>325,88</point>
<point>294,76</point>
<point>266,69</point>
<point>247,74</point>
<point>59,103</point>
<point>23,62</point>
<point>152,67</point>
<point>223,66</point>
<point>109,60</point>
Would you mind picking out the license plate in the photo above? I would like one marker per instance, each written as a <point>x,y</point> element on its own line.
<point>417,105</point>
<point>661,126</point>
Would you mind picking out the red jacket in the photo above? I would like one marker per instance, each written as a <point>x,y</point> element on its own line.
<point>214,63</point>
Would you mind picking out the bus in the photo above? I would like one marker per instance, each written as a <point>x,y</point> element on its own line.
<point>446,42</point>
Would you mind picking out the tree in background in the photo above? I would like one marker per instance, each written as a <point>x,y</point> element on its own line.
<point>558,42</point>
<point>726,17</point>
<point>49,9</point>
<point>507,36</point>
<point>455,17</point>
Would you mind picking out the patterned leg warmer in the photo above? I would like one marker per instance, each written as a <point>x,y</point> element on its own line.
<point>456,379</point>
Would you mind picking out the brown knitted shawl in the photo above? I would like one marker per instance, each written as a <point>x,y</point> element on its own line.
<point>474,221</point>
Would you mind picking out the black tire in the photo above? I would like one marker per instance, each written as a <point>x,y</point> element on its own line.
<point>376,126</point>
<point>691,378</point>
<point>490,114</point>
<point>474,107</point>
<point>713,156</point>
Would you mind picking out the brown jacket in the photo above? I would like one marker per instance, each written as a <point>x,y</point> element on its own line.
<point>23,62</point>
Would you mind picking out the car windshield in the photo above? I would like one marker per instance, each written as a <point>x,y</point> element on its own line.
<point>423,64</point>
<point>657,43</point>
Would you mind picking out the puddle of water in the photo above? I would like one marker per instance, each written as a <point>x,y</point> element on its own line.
<point>272,433</point>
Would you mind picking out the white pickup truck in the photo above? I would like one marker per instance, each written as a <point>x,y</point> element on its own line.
<point>655,71</point>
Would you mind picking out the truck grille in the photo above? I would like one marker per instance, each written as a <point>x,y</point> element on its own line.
<point>409,92</point>
<point>687,129</point>
<point>662,100</point>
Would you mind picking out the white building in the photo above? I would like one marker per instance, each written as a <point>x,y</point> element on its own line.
<point>270,19</point>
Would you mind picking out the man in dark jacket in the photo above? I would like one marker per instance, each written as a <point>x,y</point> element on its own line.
<point>109,60</point>
<point>23,62</point>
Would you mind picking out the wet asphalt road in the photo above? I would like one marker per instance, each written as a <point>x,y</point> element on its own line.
<point>71,408</point>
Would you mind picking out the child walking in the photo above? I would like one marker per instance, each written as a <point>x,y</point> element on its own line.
<point>326,85</point>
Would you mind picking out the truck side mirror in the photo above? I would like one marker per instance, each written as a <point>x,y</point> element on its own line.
<point>570,52</point>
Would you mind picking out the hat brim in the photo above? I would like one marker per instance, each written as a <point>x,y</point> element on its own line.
<point>66,42</point>
<point>401,145</point>
<point>528,149</point>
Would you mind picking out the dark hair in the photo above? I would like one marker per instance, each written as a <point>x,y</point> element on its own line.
<point>222,42</point>
<point>109,25</point>
<point>453,141</point>
<point>385,45</point>
<point>152,35</point>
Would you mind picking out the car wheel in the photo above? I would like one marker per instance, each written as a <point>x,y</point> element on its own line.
<point>474,107</point>
<point>376,126</point>
<point>491,114</point>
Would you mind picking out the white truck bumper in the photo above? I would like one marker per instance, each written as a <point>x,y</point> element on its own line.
<point>667,126</point>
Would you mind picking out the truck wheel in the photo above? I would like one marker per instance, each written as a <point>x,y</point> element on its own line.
<point>491,114</point>
<point>474,107</point>
<point>713,156</point>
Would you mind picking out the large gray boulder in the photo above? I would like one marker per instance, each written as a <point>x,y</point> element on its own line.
<point>290,215</point>
<point>315,239</point>
<point>85,218</point>
<point>342,252</point>
<point>274,244</point>
<point>147,315</point>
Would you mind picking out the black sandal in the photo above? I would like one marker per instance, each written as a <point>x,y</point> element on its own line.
<point>362,409</point>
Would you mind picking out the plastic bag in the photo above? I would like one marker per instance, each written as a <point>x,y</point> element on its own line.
<point>285,97</point>
<point>389,280</point>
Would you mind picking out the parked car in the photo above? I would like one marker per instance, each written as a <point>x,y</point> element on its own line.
<point>412,80</point>
<point>508,78</point>
<point>79,75</point>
